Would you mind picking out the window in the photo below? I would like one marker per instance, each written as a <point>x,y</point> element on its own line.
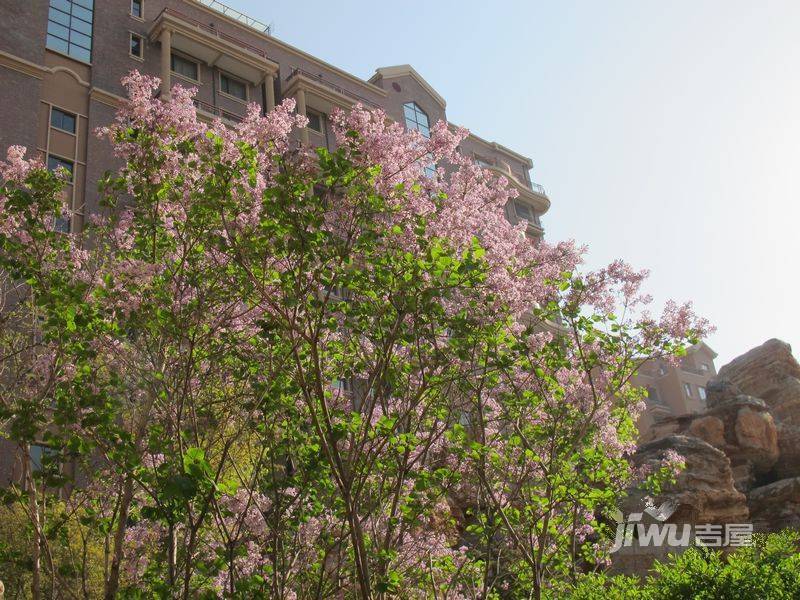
<point>701,391</point>
<point>314,120</point>
<point>526,212</point>
<point>344,385</point>
<point>704,368</point>
<point>416,119</point>
<point>36,453</point>
<point>184,67</point>
<point>136,46</point>
<point>69,28</point>
<point>136,8</point>
<point>62,120</point>
<point>482,163</point>
<point>688,389</point>
<point>652,395</point>
<point>53,163</point>
<point>62,223</point>
<point>232,87</point>
<point>43,459</point>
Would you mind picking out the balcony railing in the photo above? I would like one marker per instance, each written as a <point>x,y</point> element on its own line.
<point>539,189</point>
<point>319,78</point>
<point>217,111</point>
<point>237,16</point>
<point>210,29</point>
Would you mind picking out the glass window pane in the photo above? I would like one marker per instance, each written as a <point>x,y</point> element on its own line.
<point>58,30</point>
<point>184,67</point>
<point>81,13</point>
<point>68,123</point>
<point>136,8</point>
<point>54,163</point>
<point>239,90</point>
<point>58,44</point>
<point>81,26</point>
<point>62,225</point>
<point>64,5</point>
<point>233,87</point>
<point>80,39</point>
<point>35,453</point>
<point>314,121</point>
<point>136,46</point>
<point>80,53</point>
<point>71,34</point>
<point>58,16</point>
<point>62,120</point>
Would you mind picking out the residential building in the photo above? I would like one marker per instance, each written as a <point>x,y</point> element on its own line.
<point>675,389</point>
<point>61,62</point>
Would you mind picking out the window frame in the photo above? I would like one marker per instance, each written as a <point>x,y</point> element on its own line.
<point>320,117</point>
<point>140,16</point>
<point>482,162</point>
<point>230,77</point>
<point>63,160</point>
<point>418,110</point>
<point>516,202</point>
<point>687,388</point>
<point>57,16</point>
<point>133,34</point>
<point>55,109</point>
<point>344,385</point>
<point>701,392</point>
<point>187,58</point>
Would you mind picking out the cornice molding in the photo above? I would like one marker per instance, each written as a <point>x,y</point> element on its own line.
<point>22,65</point>
<point>105,97</point>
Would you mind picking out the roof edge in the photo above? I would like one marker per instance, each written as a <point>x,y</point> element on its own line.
<point>495,146</point>
<point>291,49</point>
<point>402,70</point>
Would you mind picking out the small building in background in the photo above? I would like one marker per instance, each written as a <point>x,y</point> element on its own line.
<point>675,389</point>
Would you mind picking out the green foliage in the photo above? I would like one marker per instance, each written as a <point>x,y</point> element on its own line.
<point>768,570</point>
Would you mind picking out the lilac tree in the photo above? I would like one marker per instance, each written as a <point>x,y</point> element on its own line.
<point>319,374</point>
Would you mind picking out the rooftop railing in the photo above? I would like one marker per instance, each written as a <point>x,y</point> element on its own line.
<point>210,29</point>
<point>318,77</point>
<point>237,16</point>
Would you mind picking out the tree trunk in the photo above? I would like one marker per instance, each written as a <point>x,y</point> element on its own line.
<point>36,549</point>
<point>112,583</point>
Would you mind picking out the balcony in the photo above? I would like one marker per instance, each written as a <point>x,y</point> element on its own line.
<point>533,194</point>
<point>322,94</point>
<point>210,112</point>
<point>205,42</point>
<point>523,211</point>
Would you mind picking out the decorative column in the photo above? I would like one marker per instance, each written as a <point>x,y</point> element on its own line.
<point>301,110</point>
<point>166,62</point>
<point>269,82</point>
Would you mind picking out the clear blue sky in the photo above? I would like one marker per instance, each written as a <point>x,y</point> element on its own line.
<point>666,133</point>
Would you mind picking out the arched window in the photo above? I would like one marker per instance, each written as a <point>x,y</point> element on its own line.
<point>416,118</point>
